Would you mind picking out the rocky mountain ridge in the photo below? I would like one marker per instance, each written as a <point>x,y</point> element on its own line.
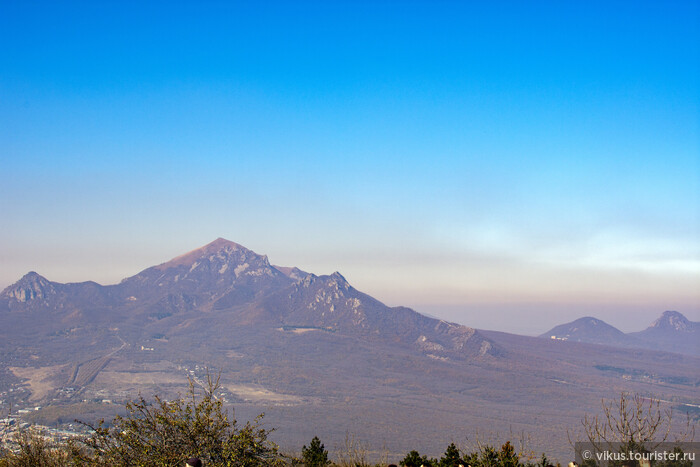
<point>227,277</point>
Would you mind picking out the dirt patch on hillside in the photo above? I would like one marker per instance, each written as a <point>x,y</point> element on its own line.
<point>252,393</point>
<point>298,330</point>
<point>41,380</point>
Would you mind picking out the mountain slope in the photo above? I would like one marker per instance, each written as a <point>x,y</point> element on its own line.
<point>330,302</point>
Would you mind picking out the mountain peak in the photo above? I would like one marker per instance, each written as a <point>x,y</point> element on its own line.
<point>586,329</point>
<point>30,286</point>
<point>338,276</point>
<point>214,266</point>
<point>33,278</point>
<point>220,245</point>
<point>588,320</point>
<point>32,275</point>
<point>672,320</point>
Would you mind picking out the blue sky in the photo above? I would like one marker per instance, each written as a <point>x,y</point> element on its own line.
<point>507,165</point>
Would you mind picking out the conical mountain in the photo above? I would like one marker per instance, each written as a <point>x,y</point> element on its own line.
<point>672,321</point>
<point>673,332</point>
<point>31,286</point>
<point>34,292</point>
<point>214,267</point>
<point>587,329</point>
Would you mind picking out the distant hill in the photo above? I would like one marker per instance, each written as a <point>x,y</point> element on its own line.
<point>587,329</point>
<point>672,332</point>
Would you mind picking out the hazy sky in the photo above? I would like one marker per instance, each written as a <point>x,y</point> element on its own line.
<point>507,165</point>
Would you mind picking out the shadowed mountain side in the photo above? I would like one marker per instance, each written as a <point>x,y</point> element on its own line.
<point>331,303</point>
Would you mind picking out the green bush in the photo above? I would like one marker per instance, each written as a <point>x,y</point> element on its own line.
<point>451,458</point>
<point>315,455</point>
<point>35,451</point>
<point>166,433</point>
<point>414,459</point>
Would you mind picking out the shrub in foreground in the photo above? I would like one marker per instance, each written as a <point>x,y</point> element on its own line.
<point>315,455</point>
<point>165,433</point>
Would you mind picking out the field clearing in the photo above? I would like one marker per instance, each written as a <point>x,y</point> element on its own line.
<point>41,380</point>
<point>298,330</point>
<point>253,393</point>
